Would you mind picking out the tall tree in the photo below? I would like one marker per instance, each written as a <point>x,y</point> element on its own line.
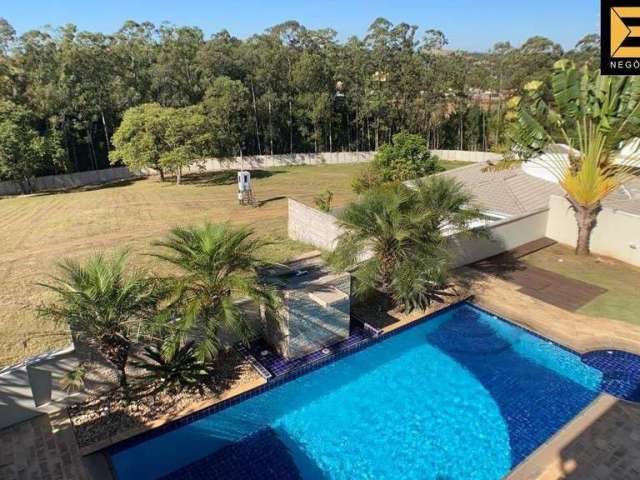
<point>226,105</point>
<point>24,152</point>
<point>594,115</point>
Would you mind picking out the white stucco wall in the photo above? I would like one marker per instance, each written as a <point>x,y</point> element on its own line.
<point>321,230</point>
<point>616,235</point>
<point>502,236</point>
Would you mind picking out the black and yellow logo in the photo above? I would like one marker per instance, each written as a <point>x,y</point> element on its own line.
<point>621,37</point>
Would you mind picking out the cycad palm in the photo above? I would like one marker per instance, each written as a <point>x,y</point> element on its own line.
<point>177,370</point>
<point>218,264</point>
<point>402,230</point>
<point>592,114</point>
<point>103,304</point>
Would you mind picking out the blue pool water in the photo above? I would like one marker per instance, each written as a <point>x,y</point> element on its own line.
<point>463,395</point>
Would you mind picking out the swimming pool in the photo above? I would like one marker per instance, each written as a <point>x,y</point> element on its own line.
<point>462,395</point>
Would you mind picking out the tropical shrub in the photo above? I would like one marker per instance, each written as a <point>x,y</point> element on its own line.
<point>323,201</point>
<point>407,157</point>
<point>73,380</point>
<point>403,231</point>
<point>103,305</point>
<point>174,369</point>
<point>218,264</point>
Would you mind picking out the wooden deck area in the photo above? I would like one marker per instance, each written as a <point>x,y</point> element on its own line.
<point>550,287</point>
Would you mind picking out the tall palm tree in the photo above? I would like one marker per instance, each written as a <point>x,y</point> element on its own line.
<point>219,264</point>
<point>595,116</point>
<point>103,304</point>
<point>395,236</point>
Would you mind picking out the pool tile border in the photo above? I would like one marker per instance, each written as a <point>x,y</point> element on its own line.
<point>274,382</point>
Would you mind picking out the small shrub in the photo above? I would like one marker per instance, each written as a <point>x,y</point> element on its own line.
<point>369,178</point>
<point>73,381</point>
<point>175,369</point>
<point>323,201</point>
<point>407,157</point>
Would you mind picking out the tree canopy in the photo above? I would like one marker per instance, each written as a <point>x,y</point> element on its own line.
<point>287,89</point>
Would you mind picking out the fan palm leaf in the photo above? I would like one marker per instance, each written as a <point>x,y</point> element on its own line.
<point>103,304</point>
<point>218,264</point>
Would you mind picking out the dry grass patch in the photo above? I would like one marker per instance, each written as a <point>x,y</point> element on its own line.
<point>38,230</point>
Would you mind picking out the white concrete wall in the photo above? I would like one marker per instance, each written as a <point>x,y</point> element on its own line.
<point>502,236</point>
<point>256,162</point>
<point>70,180</point>
<point>310,225</point>
<point>616,235</point>
<point>98,177</point>
<point>31,388</point>
<point>466,156</point>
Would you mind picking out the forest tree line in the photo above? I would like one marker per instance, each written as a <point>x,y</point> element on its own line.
<point>64,92</point>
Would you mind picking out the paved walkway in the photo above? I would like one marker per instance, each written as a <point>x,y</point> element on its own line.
<point>602,443</point>
<point>576,331</point>
<point>43,448</point>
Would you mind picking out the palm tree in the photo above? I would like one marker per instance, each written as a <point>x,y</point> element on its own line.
<point>595,116</point>
<point>403,231</point>
<point>103,305</point>
<point>218,264</point>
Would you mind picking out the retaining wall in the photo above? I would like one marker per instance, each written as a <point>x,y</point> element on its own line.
<point>32,387</point>
<point>502,236</point>
<point>257,162</point>
<point>310,225</point>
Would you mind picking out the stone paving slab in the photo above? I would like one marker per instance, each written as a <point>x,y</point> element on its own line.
<point>579,332</point>
<point>602,443</point>
<point>43,448</point>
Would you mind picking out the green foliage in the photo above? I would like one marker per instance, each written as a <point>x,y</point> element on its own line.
<point>73,381</point>
<point>403,230</point>
<point>367,179</point>
<point>103,304</point>
<point>293,89</point>
<point>218,264</point>
<point>174,370</point>
<point>139,138</point>
<point>151,136</point>
<point>24,152</point>
<point>323,201</point>
<point>594,116</point>
<point>226,105</point>
<point>407,157</point>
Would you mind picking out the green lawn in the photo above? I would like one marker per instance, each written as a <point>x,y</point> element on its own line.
<point>621,302</point>
<point>38,230</point>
